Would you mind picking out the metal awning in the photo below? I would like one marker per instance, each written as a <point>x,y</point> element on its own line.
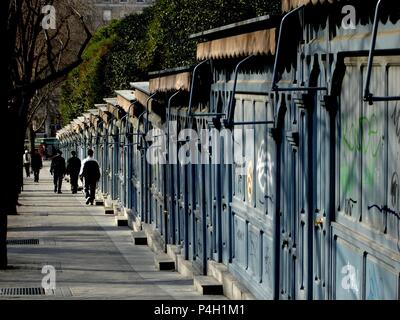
<point>262,42</point>
<point>94,112</point>
<point>103,112</point>
<point>125,99</point>
<point>87,115</point>
<point>141,86</point>
<point>170,80</point>
<point>142,93</point>
<point>128,95</point>
<point>250,37</point>
<point>111,101</point>
<point>113,107</point>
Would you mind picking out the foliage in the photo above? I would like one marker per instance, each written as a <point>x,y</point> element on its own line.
<point>156,39</point>
<point>176,20</point>
<point>84,85</point>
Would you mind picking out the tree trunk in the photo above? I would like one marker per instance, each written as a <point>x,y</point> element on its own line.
<point>3,241</point>
<point>4,85</point>
<point>11,176</point>
<point>8,181</point>
<point>7,177</point>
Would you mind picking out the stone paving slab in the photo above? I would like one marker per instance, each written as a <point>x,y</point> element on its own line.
<point>93,258</point>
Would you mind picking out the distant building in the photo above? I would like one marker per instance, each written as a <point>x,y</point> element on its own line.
<point>106,10</point>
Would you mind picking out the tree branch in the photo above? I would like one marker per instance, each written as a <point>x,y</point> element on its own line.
<point>56,74</point>
<point>38,105</point>
<point>43,121</point>
<point>49,50</point>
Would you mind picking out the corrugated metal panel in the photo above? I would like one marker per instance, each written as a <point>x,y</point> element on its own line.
<point>254,203</point>
<point>366,235</point>
<point>258,42</point>
<point>179,81</point>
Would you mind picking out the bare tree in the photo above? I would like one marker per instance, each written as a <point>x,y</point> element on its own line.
<point>43,107</point>
<point>35,55</point>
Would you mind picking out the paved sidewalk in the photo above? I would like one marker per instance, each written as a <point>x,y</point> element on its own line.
<point>93,258</point>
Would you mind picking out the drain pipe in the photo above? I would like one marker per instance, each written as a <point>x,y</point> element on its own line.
<point>275,80</point>
<point>278,50</point>
<point>127,119</point>
<point>129,147</point>
<point>228,116</point>
<point>146,180</point>
<point>169,177</point>
<point>192,86</point>
<point>138,134</point>
<point>368,96</point>
<point>199,115</point>
<point>147,109</point>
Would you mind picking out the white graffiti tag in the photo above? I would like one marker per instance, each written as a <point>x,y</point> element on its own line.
<point>270,167</point>
<point>265,168</point>
<point>262,168</point>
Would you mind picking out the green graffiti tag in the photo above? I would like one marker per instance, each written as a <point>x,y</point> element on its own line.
<point>362,137</point>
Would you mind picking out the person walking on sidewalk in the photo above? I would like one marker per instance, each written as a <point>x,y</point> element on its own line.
<point>36,164</point>
<point>91,173</point>
<point>57,169</point>
<point>73,169</point>
<point>27,163</point>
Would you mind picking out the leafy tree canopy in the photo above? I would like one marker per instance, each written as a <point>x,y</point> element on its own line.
<point>126,50</point>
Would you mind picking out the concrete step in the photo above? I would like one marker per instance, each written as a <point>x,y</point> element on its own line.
<point>231,286</point>
<point>240,292</point>
<point>153,239</point>
<point>109,210</point>
<point>164,262</point>
<point>185,267</point>
<point>139,238</point>
<point>173,251</point>
<point>208,285</point>
<point>217,270</point>
<point>121,221</point>
<point>99,202</point>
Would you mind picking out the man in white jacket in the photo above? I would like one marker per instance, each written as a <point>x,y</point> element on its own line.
<point>27,163</point>
<point>90,172</point>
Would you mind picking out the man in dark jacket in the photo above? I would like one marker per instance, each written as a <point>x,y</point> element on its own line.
<point>91,173</point>
<point>73,169</point>
<point>57,169</point>
<point>36,164</point>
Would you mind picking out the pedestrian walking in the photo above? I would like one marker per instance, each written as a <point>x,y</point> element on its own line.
<point>90,172</point>
<point>36,164</point>
<point>27,163</point>
<point>57,169</point>
<point>73,169</point>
